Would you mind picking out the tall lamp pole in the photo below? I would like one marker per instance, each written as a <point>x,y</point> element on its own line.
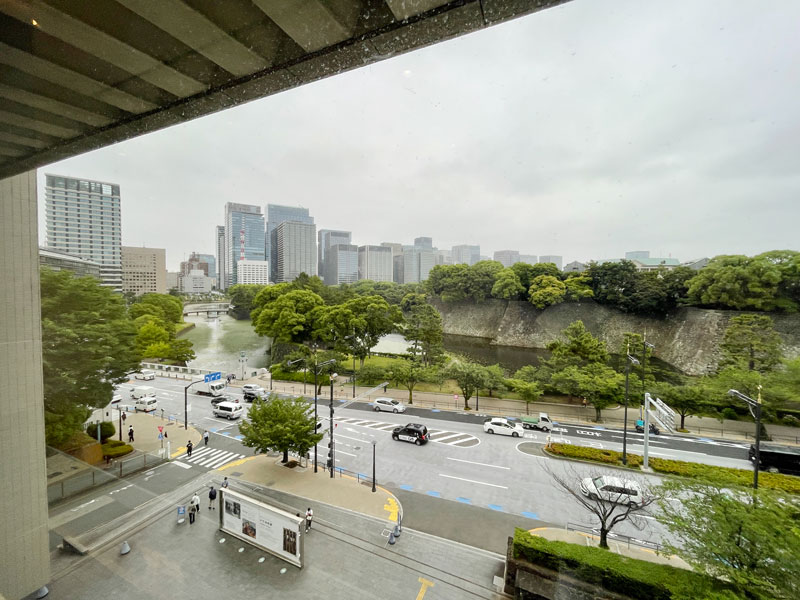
<point>186,404</point>
<point>333,458</point>
<point>628,362</point>
<point>316,373</point>
<point>755,410</point>
<point>374,443</point>
<point>645,346</point>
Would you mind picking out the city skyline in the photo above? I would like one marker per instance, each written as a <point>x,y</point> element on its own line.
<point>610,139</point>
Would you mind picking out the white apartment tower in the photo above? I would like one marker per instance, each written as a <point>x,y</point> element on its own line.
<point>83,218</point>
<point>296,246</point>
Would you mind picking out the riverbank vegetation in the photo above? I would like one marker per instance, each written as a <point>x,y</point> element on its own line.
<point>766,282</point>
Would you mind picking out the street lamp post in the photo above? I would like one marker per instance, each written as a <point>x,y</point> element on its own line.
<point>629,361</point>
<point>645,346</point>
<point>333,458</point>
<point>374,443</point>
<point>755,410</point>
<point>316,373</point>
<point>186,404</point>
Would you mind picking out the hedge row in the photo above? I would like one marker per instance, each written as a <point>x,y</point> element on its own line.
<point>114,451</point>
<point>725,475</point>
<point>628,576</point>
<point>609,457</point>
<point>281,375</point>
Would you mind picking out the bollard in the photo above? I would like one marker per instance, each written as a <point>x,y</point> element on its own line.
<point>124,549</point>
<point>42,592</point>
<point>391,539</point>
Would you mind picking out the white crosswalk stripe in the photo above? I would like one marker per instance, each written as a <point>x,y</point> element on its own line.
<point>449,438</point>
<point>211,458</point>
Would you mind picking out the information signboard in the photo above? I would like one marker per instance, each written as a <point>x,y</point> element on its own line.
<point>212,376</point>
<point>267,527</point>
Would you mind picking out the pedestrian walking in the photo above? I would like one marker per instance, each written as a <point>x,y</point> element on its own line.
<point>309,518</point>
<point>194,507</point>
<point>124,417</point>
<point>130,434</point>
<point>205,437</point>
<point>212,495</point>
<point>189,447</point>
<point>224,483</point>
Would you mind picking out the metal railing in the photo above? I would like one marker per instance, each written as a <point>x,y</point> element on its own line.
<point>359,477</point>
<point>617,537</point>
<point>138,462</point>
<point>74,484</point>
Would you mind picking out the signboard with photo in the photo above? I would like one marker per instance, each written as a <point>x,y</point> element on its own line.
<point>267,527</point>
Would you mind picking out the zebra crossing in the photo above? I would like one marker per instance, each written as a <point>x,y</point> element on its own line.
<point>210,458</point>
<point>440,436</point>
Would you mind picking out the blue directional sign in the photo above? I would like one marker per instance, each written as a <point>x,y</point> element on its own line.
<point>212,376</point>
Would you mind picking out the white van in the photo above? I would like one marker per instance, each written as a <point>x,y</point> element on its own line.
<point>141,391</point>
<point>145,404</point>
<point>228,410</point>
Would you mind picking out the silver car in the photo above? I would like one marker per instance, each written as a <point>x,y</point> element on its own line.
<point>388,405</point>
<point>612,489</point>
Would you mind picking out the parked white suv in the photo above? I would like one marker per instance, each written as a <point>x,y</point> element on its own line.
<point>389,405</point>
<point>145,374</point>
<point>503,427</point>
<point>612,489</point>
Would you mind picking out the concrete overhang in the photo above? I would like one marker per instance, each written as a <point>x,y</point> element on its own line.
<point>76,76</point>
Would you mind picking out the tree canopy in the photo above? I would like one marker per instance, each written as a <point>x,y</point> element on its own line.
<point>88,347</point>
<point>751,343</point>
<point>280,424</point>
<point>289,317</point>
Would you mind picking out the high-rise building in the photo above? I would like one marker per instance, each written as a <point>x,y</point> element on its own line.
<point>211,261</point>
<point>507,257</point>
<point>325,239</point>
<point>63,261</point>
<point>277,214</point>
<point>244,237</point>
<point>375,263</point>
<point>296,250</point>
<point>637,254</point>
<point>83,218</point>
<point>144,270</point>
<point>466,254</point>
<point>398,268</point>
<point>253,271</point>
<point>341,264</point>
<point>195,262</point>
<point>530,259</point>
<point>417,264</point>
<point>424,242</point>
<point>221,279</point>
<point>173,281</point>
<point>552,258</point>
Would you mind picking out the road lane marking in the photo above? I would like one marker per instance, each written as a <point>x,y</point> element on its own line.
<point>473,481</point>
<point>337,451</point>
<point>472,462</point>
<point>362,440</point>
<point>180,464</point>
<point>446,437</point>
<point>425,584</point>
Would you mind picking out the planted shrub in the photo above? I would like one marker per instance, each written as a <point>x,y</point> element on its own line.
<point>116,451</point>
<point>107,430</point>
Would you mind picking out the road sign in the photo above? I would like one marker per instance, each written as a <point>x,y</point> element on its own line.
<point>160,428</point>
<point>160,436</point>
<point>212,376</point>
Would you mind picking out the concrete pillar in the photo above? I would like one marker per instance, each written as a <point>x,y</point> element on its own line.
<point>24,554</point>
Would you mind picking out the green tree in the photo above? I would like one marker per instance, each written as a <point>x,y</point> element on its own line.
<point>449,282</point>
<point>481,278</point>
<point>148,336</point>
<point>788,263</point>
<point>170,305</point>
<point>599,384</point>
<point>548,269</point>
<point>242,298</point>
<point>526,273</point>
<point>470,378</point>
<point>507,286</point>
<point>423,328</point>
<point>289,317</point>
<point>88,348</point>
<point>749,538</point>
<point>181,351</point>
<point>372,375</point>
<point>408,374</point>
<point>613,283</point>
<point>546,290</point>
<point>280,424</point>
<point>142,309</point>
<point>751,343</point>
<point>685,400</point>
<point>578,287</point>
<point>579,347</point>
<point>529,390</point>
<point>528,373</point>
<point>495,378</point>
<point>736,281</point>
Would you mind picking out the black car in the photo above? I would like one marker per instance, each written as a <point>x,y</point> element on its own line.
<point>224,398</point>
<point>413,432</point>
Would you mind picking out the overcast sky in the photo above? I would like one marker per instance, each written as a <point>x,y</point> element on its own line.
<point>586,130</point>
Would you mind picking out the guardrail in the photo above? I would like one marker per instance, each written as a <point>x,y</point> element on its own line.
<point>658,548</point>
<point>74,484</point>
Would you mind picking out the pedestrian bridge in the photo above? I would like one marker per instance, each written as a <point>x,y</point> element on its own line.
<point>215,309</point>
